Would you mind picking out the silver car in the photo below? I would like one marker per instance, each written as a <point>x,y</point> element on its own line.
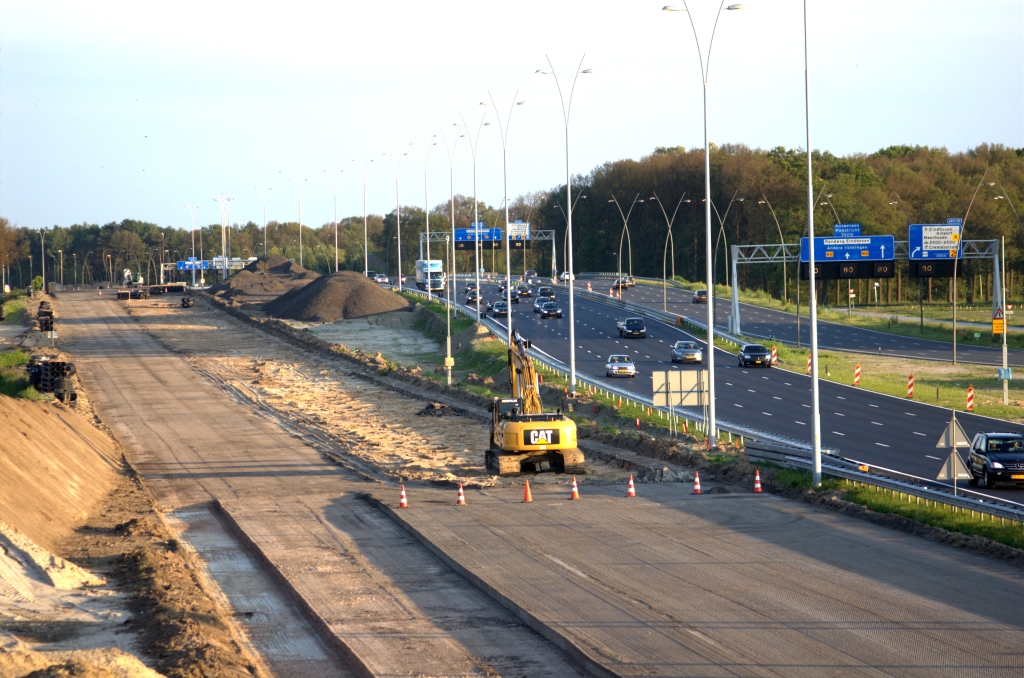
<point>687,352</point>
<point>619,366</point>
<point>538,303</point>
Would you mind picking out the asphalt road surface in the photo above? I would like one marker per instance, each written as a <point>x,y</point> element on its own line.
<point>881,430</point>
<point>761,323</point>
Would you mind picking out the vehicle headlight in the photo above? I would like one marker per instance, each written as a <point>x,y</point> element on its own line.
<point>995,464</point>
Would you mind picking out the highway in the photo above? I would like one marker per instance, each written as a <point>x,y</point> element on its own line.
<point>881,430</point>
<point>763,323</point>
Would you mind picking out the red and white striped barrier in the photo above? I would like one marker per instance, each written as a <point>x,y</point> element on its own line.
<point>910,386</point>
<point>856,375</point>
<point>589,288</point>
<point>808,364</point>
<point>775,356</point>
<point>970,398</point>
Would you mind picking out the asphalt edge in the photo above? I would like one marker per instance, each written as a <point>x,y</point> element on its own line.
<point>574,652</point>
<point>327,635</point>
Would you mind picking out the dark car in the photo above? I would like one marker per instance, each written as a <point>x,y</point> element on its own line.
<point>513,296</point>
<point>551,310</point>
<point>545,291</point>
<point>632,327</point>
<point>472,296</point>
<point>470,286</point>
<point>500,308</point>
<point>997,458</point>
<point>754,354</point>
<point>700,297</point>
<point>531,273</point>
<point>524,290</point>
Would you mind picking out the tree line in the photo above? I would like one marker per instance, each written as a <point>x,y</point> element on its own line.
<point>758,196</point>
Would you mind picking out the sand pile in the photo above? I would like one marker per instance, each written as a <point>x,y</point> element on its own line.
<point>264,280</point>
<point>334,297</point>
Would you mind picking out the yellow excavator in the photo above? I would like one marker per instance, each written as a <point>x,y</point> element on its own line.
<point>524,438</point>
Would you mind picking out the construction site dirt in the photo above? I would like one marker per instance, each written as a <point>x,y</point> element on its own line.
<point>279,469</point>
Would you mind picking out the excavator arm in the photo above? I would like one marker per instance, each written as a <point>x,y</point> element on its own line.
<point>523,376</point>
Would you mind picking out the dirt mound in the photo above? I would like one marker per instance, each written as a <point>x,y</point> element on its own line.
<point>334,297</point>
<point>264,280</point>
<point>440,410</point>
<point>55,467</point>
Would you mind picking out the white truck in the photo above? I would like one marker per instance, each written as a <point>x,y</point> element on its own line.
<point>430,275</point>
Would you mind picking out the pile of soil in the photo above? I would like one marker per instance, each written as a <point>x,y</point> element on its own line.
<point>264,280</point>
<point>439,410</point>
<point>338,296</point>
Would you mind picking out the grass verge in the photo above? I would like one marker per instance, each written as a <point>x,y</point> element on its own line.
<point>13,381</point>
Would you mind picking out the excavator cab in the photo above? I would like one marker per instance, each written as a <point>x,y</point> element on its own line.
<point>524,438</point>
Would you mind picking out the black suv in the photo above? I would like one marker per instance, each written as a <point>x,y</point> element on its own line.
<point>997,458</point>
<point>755,354</point>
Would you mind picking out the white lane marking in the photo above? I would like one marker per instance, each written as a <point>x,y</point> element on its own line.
<point>728,384</point>
<point>881,444</point>
<point>750,390</point>
<point>841,397</point>
<point>767,414</point>
<point>877,423</point>
<point>807,406</point>
<point>923,434</point>
<point>870,405</point>
<point>909,414</point>
<point>777,397</point>
<point>737,405</point>
<point>566,566</point>
<point>838,433</point>
<point>931,457</point>
<point>839,414</point>
<point>787,383</point>
<point>800,422</point>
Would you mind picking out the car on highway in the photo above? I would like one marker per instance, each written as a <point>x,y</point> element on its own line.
<point>551,310</point>
<point>472,296</point>
<point>542,299</point>
<point>996,458</point>
<point>754,354</point>
<point>619,366</point>
<point>700,297</point>
<point>381,278</point>
<point>566,276</point>
<point>524,290</point>
<point>531,273</point>
<point>545,291</point>
<point>624,282</point>
<point>632,327</point>
<point>687,352</point>
<point>372,275</point>
<point>500,308</point>
<point>470,286</point>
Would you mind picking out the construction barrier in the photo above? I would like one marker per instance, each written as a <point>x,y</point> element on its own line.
<point>970,398</point>
<point>856,375</point>
<point>631,490</point>
<point>910,386</point>
<point>638,423</point>
<point>461,499</point>
<point>696,483</point>
<point>589,288</point>
<point>575,489</point>
<point>403,501</point>
<point>808,364</point>
<point>757,480</point>
<point>679,321</point>
<point>775,356</point>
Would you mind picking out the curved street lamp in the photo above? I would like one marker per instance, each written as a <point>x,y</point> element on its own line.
<point>503,129</point>
<point>364,166</point>
<point>397,162</point>
<point>566,112</point>
<point>625,234</point>
<point>920,281</point>
<point>664,255</point>
<point>705,65</point>
<point>334,178</point>
<point>263,193</point>
<point>425,157</point>
<point>960,244</point>
<point>474,146</point>
<point>565,235</point>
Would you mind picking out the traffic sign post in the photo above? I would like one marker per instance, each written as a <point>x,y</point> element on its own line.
<point>954,468</point>
<point>934,241</point>
<point>998,322</point>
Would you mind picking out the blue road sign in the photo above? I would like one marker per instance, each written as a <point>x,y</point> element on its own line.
<point>846,230</point>
<point>934,241</point>
<point>469,234</point>
<point>867,248</point>
<point>193,265</point>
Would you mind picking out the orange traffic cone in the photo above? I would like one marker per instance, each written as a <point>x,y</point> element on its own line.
<point>575,489</point>
<point>461,501</point>
<point>631,491</point>
<point>696,483</point>
<point>403,501</point>
<point>757,480</point>
<point>527,495</point>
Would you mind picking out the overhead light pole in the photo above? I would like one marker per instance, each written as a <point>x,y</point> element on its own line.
<point>920,283</point>
<point>960,244</point>
<point>474,146</point>
<point>705,65</point>
<point>299,183</point>
<point>334,178</point>
<point>503,129</point>
<point>625,234</point>
<point>364,166</point>
<point>425,156</point>
<point>397,162</point>
<point>263,193</point>
<point>223,201</point>
<point>565,236</point>
<point>192,213</point>
<point>566,111</point>
<point>668,237</point>
<point>450,151</point>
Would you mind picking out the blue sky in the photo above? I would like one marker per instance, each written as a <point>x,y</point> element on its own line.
<point>133,110</point>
